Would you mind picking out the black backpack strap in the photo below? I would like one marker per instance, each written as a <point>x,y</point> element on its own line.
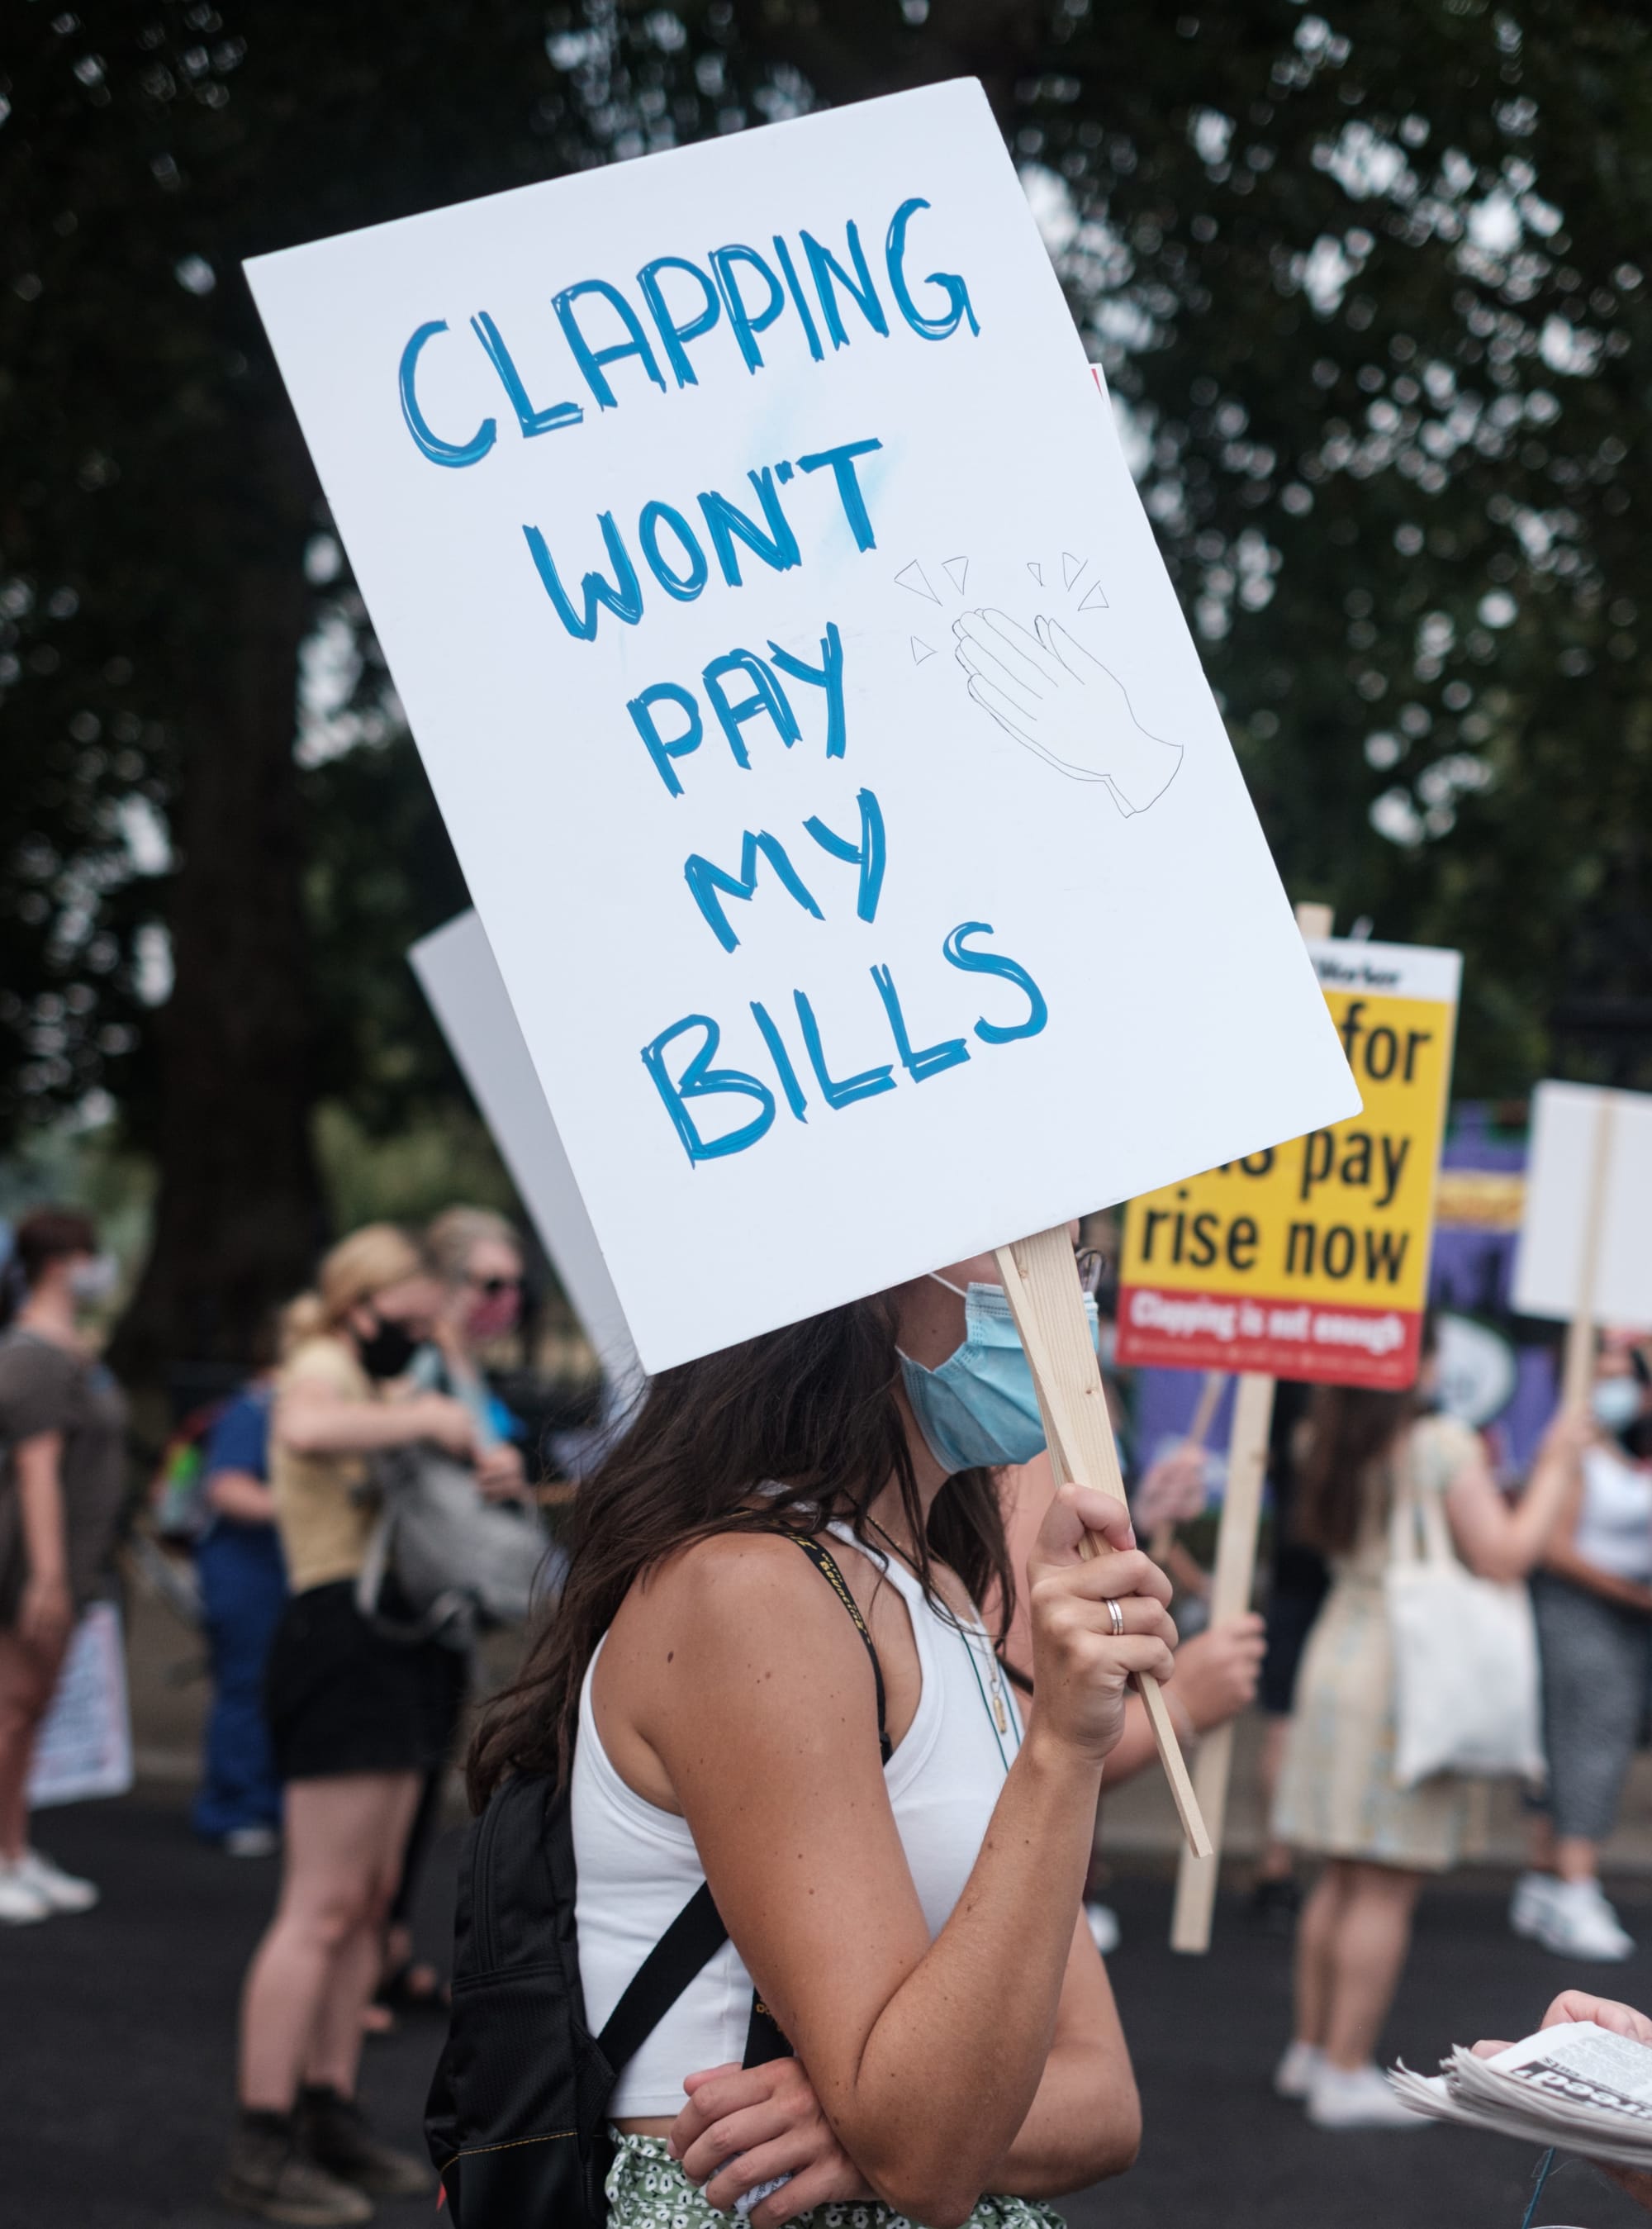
<point>697,1933</point>
<point>693,1938</point>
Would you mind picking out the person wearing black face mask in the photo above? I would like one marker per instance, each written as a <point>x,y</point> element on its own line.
<point>357,1720</point>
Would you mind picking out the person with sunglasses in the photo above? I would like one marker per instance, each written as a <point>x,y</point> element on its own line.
<point>477,1256</point>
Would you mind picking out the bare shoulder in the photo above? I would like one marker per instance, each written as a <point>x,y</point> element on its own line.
<point>743,1620</point>
<point>756,1580</point>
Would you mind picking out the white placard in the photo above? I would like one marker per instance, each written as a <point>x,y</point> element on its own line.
<point>85,1745</point>
<point>1548,1266</point>
<point>811,711</point>
<point>460,977</point>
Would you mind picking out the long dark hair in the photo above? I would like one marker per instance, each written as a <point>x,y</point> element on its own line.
<point>1348,1431</point>
<point>810,1408</point>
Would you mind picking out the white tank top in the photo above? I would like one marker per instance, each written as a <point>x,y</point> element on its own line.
<point>637,1865</point>
<point>1615,1524</point>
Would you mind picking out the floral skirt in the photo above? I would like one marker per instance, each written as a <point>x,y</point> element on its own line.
<point>648,2190</point>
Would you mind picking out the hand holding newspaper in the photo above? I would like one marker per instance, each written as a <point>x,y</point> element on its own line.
<point>1576,2085</point>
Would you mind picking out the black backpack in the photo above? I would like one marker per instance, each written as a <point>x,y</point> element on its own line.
<point>516,2118</point>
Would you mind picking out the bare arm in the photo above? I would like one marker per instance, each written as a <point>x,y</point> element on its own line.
<point>1085,2119</point>
<point>46,1611</point>
<point>1215,1678</point>
<point>312,1418</point>
<point>926,2058</point>
<point>742,2126</point>
<point>241,1495</point>
<point>1501,1542</point>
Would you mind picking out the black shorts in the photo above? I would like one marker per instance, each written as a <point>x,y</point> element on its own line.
<point>1291,1612</point>
<point>340,1698</point>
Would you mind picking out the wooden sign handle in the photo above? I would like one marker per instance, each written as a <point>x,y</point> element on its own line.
<point>1230,1593</point>
<point>1578,1373</point>
<point>1040,1280</point>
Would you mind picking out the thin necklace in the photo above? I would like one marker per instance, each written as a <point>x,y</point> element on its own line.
<point>997,1715</point>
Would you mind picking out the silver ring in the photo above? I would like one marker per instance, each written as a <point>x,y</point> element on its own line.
<point>1116,1614</point>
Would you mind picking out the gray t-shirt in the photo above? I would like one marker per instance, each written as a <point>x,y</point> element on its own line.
<point>46,1388</point>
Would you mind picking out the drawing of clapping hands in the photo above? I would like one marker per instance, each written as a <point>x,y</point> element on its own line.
<point>1049,693</point>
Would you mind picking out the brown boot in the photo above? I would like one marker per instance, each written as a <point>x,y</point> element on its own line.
<point>268,2173</point>
<point>334,2132</point>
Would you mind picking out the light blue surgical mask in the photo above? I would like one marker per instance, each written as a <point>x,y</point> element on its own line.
<point>1616,1403</point>
<point>980,1407</point>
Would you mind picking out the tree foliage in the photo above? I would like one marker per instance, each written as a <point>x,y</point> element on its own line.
<point>1368,286</point>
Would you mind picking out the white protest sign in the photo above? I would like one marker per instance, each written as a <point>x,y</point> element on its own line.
<point>85,1745</point>
<point>858,839</point>
<point>458,974</point>
<point>1567,1138</point>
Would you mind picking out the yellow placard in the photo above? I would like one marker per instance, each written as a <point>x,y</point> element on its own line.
<point>1311,1259</point>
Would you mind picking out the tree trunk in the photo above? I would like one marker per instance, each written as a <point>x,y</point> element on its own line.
<point>239,1212</point>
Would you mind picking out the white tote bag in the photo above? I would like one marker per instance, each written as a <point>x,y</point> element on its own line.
<point>1464,1650</point>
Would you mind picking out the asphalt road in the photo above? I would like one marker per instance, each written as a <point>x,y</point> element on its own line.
<point>116,2040</point>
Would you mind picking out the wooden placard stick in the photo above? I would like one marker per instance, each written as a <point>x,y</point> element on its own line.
<point>1040,1280</point>
<point>1578,1373</point>
<point>1164,1538</point>
<point>1230,1593</point>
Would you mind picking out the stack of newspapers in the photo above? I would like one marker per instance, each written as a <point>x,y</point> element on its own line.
<point>1575,2085</point>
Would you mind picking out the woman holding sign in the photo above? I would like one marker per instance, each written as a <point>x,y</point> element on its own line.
<point>724,1692</point>
<point>356,1721</point>
<point>1338,1798</point>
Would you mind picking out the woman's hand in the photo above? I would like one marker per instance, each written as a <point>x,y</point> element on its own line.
<point>1578,2005</point>
<point>743,2126</point>
<point>1605,2012</point>
<point>1081,1665</point>
<point>45,1614</point>
<point>1217,1671</point>
<point>1569,1434</point>
<point>1172,1492</point>
<point>499,1472</point>
<point>438,1416</point>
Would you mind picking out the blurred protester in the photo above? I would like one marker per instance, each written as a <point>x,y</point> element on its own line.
<point>1297,1585</point>
<point>62,1437</point>
<point>243,1592</point>
<point>1593,1599</point>
<point>1338,1797</point>
<point>478,1256</point>
<point>357,1720</point>
<point>1216,1671</point>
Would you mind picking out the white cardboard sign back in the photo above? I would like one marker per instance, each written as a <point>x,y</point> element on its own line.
<point>812,713</point>
<point>1549,1265</point>
<point>460,977</point>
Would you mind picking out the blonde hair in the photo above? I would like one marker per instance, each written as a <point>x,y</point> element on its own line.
<point>369,1261</point>
<point>458,1232</point>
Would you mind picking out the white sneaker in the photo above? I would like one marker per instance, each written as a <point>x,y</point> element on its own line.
<point>1294,2075</point>
<point>1575,1921</point>
<point>21,1903</point>
<point>1359,2099</point>
<point>58,1891</point>
<point>1103,1927</point>
<point>1529,1902</point>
